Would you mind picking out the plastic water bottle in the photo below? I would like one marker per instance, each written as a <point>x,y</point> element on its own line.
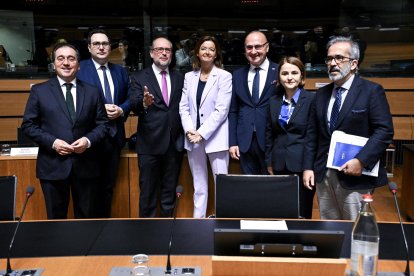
<point>365,241</point>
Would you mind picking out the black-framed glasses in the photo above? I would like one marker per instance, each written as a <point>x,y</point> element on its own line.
<point>258,47</point>
<point>98,44</point>
<point>337,58</point>
<point>160,50</point>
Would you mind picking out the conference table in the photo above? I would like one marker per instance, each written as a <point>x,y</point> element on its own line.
<point>93,247</point>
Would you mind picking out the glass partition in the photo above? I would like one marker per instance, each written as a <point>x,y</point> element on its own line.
<point>384,30</point>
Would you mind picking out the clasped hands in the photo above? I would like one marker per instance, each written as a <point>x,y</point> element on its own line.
<point>193,136</point>
<point>63,148</point>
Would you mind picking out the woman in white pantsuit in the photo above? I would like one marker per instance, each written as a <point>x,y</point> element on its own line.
<point>204,108</point>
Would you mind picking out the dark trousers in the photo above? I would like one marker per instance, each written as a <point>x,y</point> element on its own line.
<point>109,162</point>
<point>57,195</point>
<point>253,161</point>
<point>305,195</point>
<point>158,175</point>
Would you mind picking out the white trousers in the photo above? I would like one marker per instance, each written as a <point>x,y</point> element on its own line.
<point>197,158</point>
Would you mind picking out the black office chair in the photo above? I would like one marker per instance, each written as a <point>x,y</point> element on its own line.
<point>8,197</point>
<point>257,196</point>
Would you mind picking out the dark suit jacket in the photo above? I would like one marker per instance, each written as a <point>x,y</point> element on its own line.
<point>244,115</point>
<point>365,112</point>
<point>285,145</point>
<point>46,119</point>
<point>158,125</point>
<point>120,77</point>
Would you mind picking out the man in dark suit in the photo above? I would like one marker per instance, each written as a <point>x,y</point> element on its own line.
<point>99,72</point>
<point>66,118</point>
<point>155,97</point>
<point>355,106</point>
<point>253,85</point>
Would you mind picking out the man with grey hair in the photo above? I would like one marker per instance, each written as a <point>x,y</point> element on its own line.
<point>355,106</point>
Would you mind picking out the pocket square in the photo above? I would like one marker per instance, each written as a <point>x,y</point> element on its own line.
<point>358,110</point>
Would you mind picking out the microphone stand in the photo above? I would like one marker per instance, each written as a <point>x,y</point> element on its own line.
<point>168,269</point>
<point>393,189</point>
<point>29,193</point>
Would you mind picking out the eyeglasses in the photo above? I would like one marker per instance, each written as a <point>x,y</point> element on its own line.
<point>98,44</point>
<point>338,59</point>
<point>159,50</point>
<point>258,47</point>
<point>71,59</point>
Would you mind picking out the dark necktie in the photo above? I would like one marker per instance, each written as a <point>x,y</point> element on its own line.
<point>256,85</point>
<point>107,87</point>
<point>335,108</point>
<point>69,102</point>
<point>164,88</point>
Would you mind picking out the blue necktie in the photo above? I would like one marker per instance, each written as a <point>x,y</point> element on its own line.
<point>107,87</point>
<point>336,108</point>
<point>69,102</point>
<point>256,85</point>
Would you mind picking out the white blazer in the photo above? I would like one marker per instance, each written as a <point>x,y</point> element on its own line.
<point>214,108</point>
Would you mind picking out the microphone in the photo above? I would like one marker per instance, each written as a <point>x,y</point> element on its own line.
<point>178,192</point>
<point>29,192</point>
<point>393,188</point>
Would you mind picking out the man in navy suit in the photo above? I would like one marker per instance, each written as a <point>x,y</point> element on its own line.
<point>253,85</point>
<point>155,97</point>
<point>113,82</point>
<point>363,111</point>
<point>66,118</point>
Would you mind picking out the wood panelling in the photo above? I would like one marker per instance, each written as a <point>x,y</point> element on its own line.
<point>403,128</point>
<point>401,103</point>
<point>8,129</point>
<point>13,104</point>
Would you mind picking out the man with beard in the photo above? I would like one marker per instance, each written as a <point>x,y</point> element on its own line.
<point>155,97</point>
<point>355,106</point>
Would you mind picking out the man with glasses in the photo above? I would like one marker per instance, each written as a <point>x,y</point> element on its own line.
<point>155,97</point>
<point>355,106</point>
<point>253,85</point>
<point>113,83</point>
<point>66,117</point>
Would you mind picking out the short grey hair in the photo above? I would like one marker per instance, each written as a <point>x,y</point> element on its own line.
<point>354,52</point>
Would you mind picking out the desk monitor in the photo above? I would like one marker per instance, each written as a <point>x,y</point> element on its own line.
<point>257,196</point>
<point>278,243</point>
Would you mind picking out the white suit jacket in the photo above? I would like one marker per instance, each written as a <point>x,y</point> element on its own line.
<point>214,108</point>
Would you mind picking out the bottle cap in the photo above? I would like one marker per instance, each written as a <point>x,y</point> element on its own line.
<point>367,197</point>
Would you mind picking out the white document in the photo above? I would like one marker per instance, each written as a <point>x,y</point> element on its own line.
<point>345,147</point>
<point>24,151</point>
<point>263,225</point>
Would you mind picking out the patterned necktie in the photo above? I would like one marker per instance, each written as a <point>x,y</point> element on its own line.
<point>164,88</point>
<point>69,102</point>
<point>256,85</point>
<point>336,108</point>
<point>107,87</point>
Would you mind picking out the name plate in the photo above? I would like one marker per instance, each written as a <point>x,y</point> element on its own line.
<point>24,151</point>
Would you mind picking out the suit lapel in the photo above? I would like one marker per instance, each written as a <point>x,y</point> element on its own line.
<point>299,105</point>
<point>325,94</point>
<point>270,80</point>
<point>114,72</point>
<point>245,89</point>
<point>193,86</point>
<point>349,101</point>
<point>80,98</point>
<point>210,83</point>
<point>155,88</point>
<point>57,93</point>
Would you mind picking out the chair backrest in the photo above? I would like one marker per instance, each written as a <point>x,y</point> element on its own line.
<point>257,196</point>
<point>8,197</point>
